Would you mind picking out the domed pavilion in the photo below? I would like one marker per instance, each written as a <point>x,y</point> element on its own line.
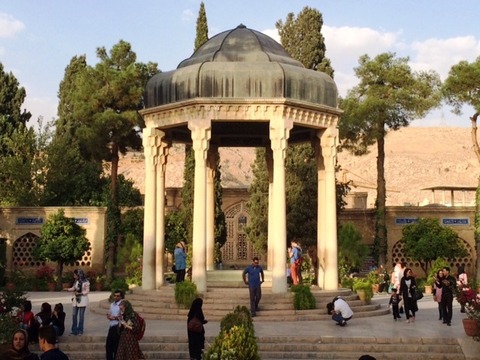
<point>239,89</point>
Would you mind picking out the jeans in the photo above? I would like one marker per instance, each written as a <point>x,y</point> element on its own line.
<point>255,296</point>
<point>78,313</point>
<point>339,318</point>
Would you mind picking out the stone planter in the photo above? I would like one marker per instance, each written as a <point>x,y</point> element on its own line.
<point>362,295</point>
<point>428,289</point>
<point>471,327</point>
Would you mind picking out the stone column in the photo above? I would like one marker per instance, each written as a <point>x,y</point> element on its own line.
<point>321,220</point>
<point>151,140</point>
<point>160,214</point>
<point>201,132</point>
<point>279,133</point>
<point>271,222</point>
<point>212,159</point>
<point>328,142</point>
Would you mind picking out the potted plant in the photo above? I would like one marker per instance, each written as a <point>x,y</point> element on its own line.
<point>373,278</point>
<point>468,297</point>
<point>363,288</point>
<point>99,282</point>
<point>45,275</point>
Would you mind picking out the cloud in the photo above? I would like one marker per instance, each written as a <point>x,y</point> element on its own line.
<point>187,15</point>
<point>9,26</point>
<point>441,54</point>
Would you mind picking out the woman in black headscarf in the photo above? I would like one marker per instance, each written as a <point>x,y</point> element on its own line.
<point>19,350</point>
<point>408,289</point>
<point>196,335</point>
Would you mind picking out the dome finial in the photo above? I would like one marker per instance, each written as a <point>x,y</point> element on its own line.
<point>241,26</point>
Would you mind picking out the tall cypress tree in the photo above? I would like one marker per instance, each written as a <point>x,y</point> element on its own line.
<point>202,27</point>
<point>301,37</point>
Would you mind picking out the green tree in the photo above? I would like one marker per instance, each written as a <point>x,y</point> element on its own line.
<point>257,205</point>
<point>389,96</point>
<point>19,168</point>
<point>202,27</point>
<point>302,38</point>
<point>427,240</point>
<point>62,241</point>
<point>12,96</point>
<point>301,195</point>
<point>105,100</point>
<point>462,87</point>
<point>352,252</point>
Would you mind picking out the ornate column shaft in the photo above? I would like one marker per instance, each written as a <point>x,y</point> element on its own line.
<point>328,143</point>
<point>212,159</point>
<point>279,133</point>
<point>271,223</point>
<point>160,213</point>
<point>151,141</point>
<point>321,220</point>
<point>201,132</point>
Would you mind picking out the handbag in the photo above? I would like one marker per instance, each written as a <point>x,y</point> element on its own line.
<point>195,325</point>
<point>418,294</point>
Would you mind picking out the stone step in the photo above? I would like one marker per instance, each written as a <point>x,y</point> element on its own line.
<point>281,347</point>
<point>218,302</point>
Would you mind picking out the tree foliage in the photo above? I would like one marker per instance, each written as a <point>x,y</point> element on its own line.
<point>302,38</point>
<point>62,241</point>
<point>257,205</point>
<point>389,96</point>
<point>352,252</point>
<point>202,27</point>
<point>12,117</point>
<point>462,87</point>
<point>427,240</point>
<point>101,110</point>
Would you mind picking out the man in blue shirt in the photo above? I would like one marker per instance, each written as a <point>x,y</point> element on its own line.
<point>255,280</point>
<point>180,261</point>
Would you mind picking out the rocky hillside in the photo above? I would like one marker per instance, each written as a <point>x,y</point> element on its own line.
<point>416,158</point>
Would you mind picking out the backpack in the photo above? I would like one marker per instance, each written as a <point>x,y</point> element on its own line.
<point>141,326</point>
<point>299,260</point>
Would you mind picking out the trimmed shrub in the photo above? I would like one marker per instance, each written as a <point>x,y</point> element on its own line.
<point>236,340</point>
<point>185,293</point>
<point>303,298</point>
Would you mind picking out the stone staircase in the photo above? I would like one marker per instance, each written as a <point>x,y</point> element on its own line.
<point>218,302</point>
<point>292,347</point>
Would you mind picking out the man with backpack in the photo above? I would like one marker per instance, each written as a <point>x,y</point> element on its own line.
<point>296,260</point>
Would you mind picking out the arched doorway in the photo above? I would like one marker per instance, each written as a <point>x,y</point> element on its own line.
<point>238,251</point>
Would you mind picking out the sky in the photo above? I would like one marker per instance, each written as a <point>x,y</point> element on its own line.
<point>39,38</point>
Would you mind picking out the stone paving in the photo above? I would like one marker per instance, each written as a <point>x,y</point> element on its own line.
<point>426,325</point>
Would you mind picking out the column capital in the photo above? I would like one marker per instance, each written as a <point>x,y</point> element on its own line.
<point>279,134</point>
<point>201,132</point>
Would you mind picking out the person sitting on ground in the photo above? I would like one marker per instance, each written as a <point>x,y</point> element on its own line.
<point>27,318</point>
<point>340,311</point>
<point>58,319</point>
<point>19,349</point>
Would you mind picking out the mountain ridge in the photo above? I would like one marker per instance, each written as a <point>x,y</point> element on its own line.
<point>415,158</point>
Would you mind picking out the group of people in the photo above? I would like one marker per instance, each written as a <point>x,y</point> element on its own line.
<point>32,323</point>
<point>47,339</point>
<point>444,289</point>
<point>122,339</point>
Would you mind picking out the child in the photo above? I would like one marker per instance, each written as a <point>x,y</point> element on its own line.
<point>394,301</point>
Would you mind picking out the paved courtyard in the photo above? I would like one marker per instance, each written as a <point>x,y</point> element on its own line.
<point>426,325</point>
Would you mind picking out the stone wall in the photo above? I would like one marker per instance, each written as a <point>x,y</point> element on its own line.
<point>20,227</point>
